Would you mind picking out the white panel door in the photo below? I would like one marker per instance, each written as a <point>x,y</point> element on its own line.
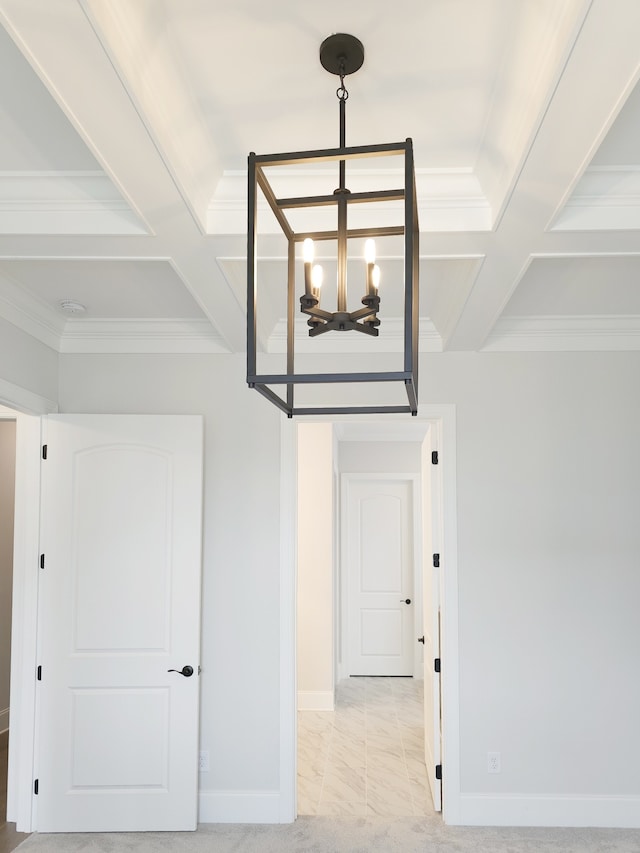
<point>379,571</point>
<point>431,628</point>
<point>119,608</point>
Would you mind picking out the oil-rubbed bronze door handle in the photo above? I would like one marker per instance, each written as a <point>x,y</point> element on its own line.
<point>187,671</point>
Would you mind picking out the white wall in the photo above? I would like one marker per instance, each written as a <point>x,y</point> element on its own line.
<point>548,469</point>
<point>315,567</point>
<point>7,492</point>
<point>548,474</point>
<point>26,365</point>
<point>379,457</point>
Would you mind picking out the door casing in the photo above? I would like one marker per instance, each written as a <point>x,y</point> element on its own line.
<point>28,408</point>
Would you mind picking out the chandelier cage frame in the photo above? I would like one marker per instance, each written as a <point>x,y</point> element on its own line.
<point>333,57</point>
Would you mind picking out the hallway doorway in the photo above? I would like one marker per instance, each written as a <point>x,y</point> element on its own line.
<point>332,707</point>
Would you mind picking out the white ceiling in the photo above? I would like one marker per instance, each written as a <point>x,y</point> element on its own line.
<point>125,127</point>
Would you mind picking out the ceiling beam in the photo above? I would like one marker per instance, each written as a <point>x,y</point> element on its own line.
<point>599,75</point>
<point>104,114</point>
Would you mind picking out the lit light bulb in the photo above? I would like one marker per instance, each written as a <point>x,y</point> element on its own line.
<point>317,276</point>
<point>375,276</point>
<point>370,251</point>
<point>307,255</point>
<point>308,251</point>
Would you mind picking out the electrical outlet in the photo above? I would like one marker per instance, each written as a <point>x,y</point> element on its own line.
<point>204,761</point>
<point>493,762</point>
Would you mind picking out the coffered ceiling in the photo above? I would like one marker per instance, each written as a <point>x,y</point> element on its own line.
<point>125,127</point>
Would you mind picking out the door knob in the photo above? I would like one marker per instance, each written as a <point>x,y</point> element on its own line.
<point>187,671</point>
<point>405,601</point>
<point>421,640</point>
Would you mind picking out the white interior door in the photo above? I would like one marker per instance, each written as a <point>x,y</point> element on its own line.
<point>119,606</point>
<point>379,568</point>
<point>431,628</point>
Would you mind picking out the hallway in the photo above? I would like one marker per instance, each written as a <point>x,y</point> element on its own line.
<point>366,758</point>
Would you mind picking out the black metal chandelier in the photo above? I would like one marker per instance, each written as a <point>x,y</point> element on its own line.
<point>340,54</point>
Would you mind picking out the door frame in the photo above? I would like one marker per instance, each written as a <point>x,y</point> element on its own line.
<point>27,408</point>
<point>343,616</point>
<point>441,418</point>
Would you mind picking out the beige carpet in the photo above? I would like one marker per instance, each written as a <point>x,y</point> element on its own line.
<point>345,835</point>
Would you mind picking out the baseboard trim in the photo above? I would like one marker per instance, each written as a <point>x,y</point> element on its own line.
<point>4,720</point>
<point>316,700</point>
<point>239,807</point>
<point>540,810</point>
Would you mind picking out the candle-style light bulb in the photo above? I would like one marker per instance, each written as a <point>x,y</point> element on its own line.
<point>317,276</point>
<point>375,277</point>
<point>370,258</point>
<point>370,251</point>
<point>308,251</point>
<point>307,256</point>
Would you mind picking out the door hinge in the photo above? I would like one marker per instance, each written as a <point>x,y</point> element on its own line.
<point>439,772</point>
<point>434,457</point>
<point>436,665</point>
<point>42,561</point>
<point>436,561</point>
<point>35,786</point>
<point>44,451</point>
<point>39,673</point>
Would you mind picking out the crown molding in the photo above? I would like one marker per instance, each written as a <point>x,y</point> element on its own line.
<point>23,400</point>
<point>140,336</point>
<point>65,202</point>
<point>617,333</point>
<point>30,314</point>
<point>605,198</point>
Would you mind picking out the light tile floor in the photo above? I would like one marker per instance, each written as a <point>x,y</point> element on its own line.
<point>366,757</point>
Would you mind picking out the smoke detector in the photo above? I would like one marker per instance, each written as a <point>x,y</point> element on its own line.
<point>70,306</point>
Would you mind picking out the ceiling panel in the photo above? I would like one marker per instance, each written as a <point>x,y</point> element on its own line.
<point>114,289</point>
<point>621,145</point>
<point>35,135</point>
<point>578,286</point>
